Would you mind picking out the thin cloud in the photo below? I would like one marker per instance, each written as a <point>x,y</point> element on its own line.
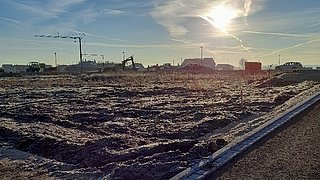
<point>171,15</point>
<point>51,9</point>
<point>86,16</point>
<point>131,45</point>
<point>276,34</point>
<point>132,7</point>
<point>58,7</point>
<point>313,25</point>
<point>10,20</point>
<point>180,40</point>
<point>180,46</point>
<point>34,10</point>
<point>174,15</point>
<point>112,12</point>
<point>19,43</point>
<point>247,7</point>
<point>103,37</point>
<point>292,47</point>
<point>220,52</point>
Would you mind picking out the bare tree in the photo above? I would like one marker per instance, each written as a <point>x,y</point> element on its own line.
<point>242,63</point>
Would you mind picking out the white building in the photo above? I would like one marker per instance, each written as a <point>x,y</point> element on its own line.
<point>224,67</point>
<point>86,66</point>
<point>8,68</point>
<point>206,62</point>
<point>20,68</point>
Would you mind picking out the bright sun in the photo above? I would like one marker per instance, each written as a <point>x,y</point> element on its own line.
<point>221,16</point>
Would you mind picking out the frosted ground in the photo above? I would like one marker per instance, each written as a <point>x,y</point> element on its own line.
<point>132,126</point>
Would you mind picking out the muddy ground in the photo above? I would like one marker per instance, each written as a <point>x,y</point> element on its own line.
<point>127,125</point>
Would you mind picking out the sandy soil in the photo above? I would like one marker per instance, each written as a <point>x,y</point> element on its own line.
<point>132,126</point>
<point>17,166</point>
<point>292,154</point>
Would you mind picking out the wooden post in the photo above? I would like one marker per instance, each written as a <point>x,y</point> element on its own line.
<point>241,100</point>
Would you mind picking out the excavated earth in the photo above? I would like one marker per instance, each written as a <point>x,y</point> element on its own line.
<point>127,125</point>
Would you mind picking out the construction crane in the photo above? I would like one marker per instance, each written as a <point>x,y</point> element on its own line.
<point>78,37</point>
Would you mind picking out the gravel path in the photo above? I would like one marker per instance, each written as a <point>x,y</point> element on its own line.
<point>291,154</point>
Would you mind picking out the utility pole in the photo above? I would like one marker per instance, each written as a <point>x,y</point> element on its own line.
<point>279,59</point>
<point>201,56</point>
<point>80,50</point>
<point>55,59</point>
<point>78,37</point>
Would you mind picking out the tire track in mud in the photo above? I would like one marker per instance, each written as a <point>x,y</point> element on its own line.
<point>89,154</point>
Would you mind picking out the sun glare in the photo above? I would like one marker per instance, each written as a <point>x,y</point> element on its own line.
<point>222,16</point>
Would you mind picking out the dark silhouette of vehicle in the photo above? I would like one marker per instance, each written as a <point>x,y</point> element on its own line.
<point>33,67</point>
<point>290,66</point>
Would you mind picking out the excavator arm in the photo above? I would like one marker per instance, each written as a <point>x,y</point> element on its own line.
<point>127,60</point>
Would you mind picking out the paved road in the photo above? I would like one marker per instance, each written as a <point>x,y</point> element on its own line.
<point>294,153</point>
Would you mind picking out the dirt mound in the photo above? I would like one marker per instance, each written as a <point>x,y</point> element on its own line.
<point>283,97</point>
<point>292,78</point>
<point>195,68</point>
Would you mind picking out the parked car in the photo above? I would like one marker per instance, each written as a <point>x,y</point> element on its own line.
<point>290,66</point>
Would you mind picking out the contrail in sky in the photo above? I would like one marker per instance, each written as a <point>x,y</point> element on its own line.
<point>10,20</point>
<point>292,47</point>
<point>224,31</point>
<point>313,25</point>
<point>277,34</point>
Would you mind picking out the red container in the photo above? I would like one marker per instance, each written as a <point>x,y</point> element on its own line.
<point>252,67</point>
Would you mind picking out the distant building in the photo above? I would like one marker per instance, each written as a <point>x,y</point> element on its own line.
<point>252,67</point>
<point>20,68</point>
<point>8,68</point>
<point>206,62</point>
<point>138,66</point>
<point>86,66</point>
<point>153,67</point>
<point>89,66</point>
<point>224,67</point>
<point>109,66</point>
<point>106,64</point>
<point>60,68</point>
<point>166,66</point>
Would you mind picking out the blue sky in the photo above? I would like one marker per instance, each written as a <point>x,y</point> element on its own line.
<point>159,31</point>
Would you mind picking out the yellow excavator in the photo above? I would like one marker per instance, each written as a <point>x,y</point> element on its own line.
<point>124,62</point>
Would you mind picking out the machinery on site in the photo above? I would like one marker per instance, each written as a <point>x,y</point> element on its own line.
<point>290,66</point>
<point>77,36</point>
<point>124,62</point>
<point>33,67</point>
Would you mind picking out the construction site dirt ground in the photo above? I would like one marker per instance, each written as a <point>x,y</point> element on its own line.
<point>132,125</point>
<point>291,154</point>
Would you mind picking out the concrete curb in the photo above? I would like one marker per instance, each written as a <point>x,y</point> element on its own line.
<point>212,163</point>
